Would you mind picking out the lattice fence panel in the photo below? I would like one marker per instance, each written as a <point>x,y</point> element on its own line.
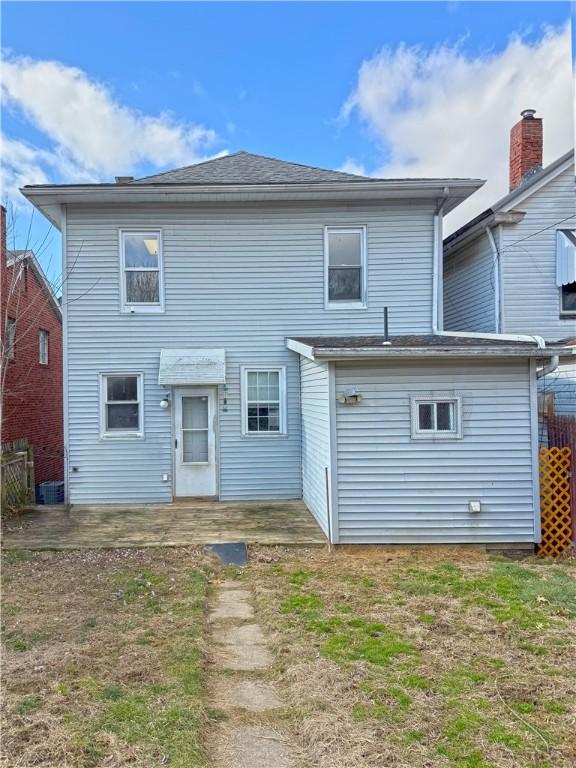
<point>555,501</point>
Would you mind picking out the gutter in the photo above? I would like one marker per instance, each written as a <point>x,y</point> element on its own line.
<point>497,337</point>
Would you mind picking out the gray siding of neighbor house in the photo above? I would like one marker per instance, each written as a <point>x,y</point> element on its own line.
<point>394,489</point>
<point>242,278</point>
<point>315,437</point>
<point>531,297</point>
<point>469,296</point>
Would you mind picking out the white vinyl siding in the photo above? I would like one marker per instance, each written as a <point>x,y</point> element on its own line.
<point>121,406</point>
<point>393,489</point>
<point>43,347</point>
<point>470,282</point>
<point>142,283</point>
<point>532,298</point>
<point>240,278</point>
<point>315,438</point>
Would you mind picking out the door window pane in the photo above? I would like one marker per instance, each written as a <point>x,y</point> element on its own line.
<point>195,412</point>
<point>141,250</point>
<point>195,446</point>
<point>142,287</point>
<point>122,416</point>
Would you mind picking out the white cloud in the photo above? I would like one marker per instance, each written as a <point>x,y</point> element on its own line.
<point>442,112</point>
<point>92,136</point>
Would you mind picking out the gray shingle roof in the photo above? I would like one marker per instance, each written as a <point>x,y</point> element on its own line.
<point>406,341</point>
<point>246,168</point>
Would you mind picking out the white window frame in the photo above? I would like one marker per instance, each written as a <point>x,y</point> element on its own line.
<point>282,410</point>
<point>435,434</point>
<point>146,307</point>
<point>43,350</point>
<point>346,230</point>
<point>117,434</point>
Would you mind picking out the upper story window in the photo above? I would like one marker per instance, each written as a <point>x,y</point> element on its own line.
<point>43,347</point>
<point>121,405</point>
<point>264,401</point>
<point>11,338</point>
<point>566,270</point>
<point>345,267</point>
<point>142,286</point>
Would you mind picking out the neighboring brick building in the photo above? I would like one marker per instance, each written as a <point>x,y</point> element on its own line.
<point>32,403</point>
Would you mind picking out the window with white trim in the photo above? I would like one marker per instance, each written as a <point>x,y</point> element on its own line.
<point>43,347</point>
<point>121,405</point>
<point>345,267</point>
<point>264,401</point>
<point>10,338</point>
<point>436,417</point>
<point>568,299</point>
<point>566,270</point>
<point>142,286</point>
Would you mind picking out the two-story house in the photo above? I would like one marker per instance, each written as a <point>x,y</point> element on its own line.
<point>225,337</point>
<point>31,365</point>
<point>512,269</point>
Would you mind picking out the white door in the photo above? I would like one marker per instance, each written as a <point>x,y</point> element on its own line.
<point>194,441</point>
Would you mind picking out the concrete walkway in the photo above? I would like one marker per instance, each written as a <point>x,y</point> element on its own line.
<point>237,687</point>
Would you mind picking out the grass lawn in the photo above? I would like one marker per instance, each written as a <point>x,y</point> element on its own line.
<point>422,658</point>
<point>101,659</point>
<point>384,658</point>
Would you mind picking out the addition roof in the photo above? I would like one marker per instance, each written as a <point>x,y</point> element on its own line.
<point>431,345</point>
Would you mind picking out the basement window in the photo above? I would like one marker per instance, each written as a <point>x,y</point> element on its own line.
<point>436,417</point>
<point>121,405</point>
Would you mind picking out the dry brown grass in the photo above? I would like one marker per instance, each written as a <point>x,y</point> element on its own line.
<point>90,658</point>
<point>489,679</point>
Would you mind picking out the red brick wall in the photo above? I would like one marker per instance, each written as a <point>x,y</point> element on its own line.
<point>32,406</point>
<point>525,148</point>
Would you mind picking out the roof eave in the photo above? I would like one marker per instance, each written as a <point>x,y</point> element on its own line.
<point>49,198</point>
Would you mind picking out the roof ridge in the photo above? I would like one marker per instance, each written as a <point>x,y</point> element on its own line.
<point>344,174</point>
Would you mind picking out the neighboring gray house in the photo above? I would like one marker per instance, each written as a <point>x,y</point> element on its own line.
<point>512,269</point>
<point>224,337</point>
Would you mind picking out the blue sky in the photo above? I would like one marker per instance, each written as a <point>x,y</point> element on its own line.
<point>317,83</point>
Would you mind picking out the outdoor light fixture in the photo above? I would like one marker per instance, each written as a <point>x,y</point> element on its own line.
<point>165,402</point>
<point>352,397</point>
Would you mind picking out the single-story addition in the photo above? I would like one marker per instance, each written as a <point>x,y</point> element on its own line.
<point>421,439</point>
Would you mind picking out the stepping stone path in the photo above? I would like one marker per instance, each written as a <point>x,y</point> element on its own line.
<point>241,655</point>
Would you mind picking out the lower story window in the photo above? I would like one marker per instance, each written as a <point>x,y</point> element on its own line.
<point>263,401</point>
<point>568,299</point>
<point>121,405</point>
<point>436,417</point>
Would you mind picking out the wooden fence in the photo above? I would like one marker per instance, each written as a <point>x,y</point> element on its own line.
<point>557,483</point>
<point>16,475</point>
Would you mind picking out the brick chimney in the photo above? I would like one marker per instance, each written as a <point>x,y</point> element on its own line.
<point>525,147</point>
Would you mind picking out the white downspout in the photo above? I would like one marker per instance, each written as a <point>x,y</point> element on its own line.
<point>549,367</point>
<point>496,255</point>
<point>437,265</point>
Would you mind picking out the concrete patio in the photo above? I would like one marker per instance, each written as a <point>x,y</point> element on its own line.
<point>150,525</point>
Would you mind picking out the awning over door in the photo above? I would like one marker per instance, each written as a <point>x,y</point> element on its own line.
<point>565,257</point>
<point>192,366</point>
